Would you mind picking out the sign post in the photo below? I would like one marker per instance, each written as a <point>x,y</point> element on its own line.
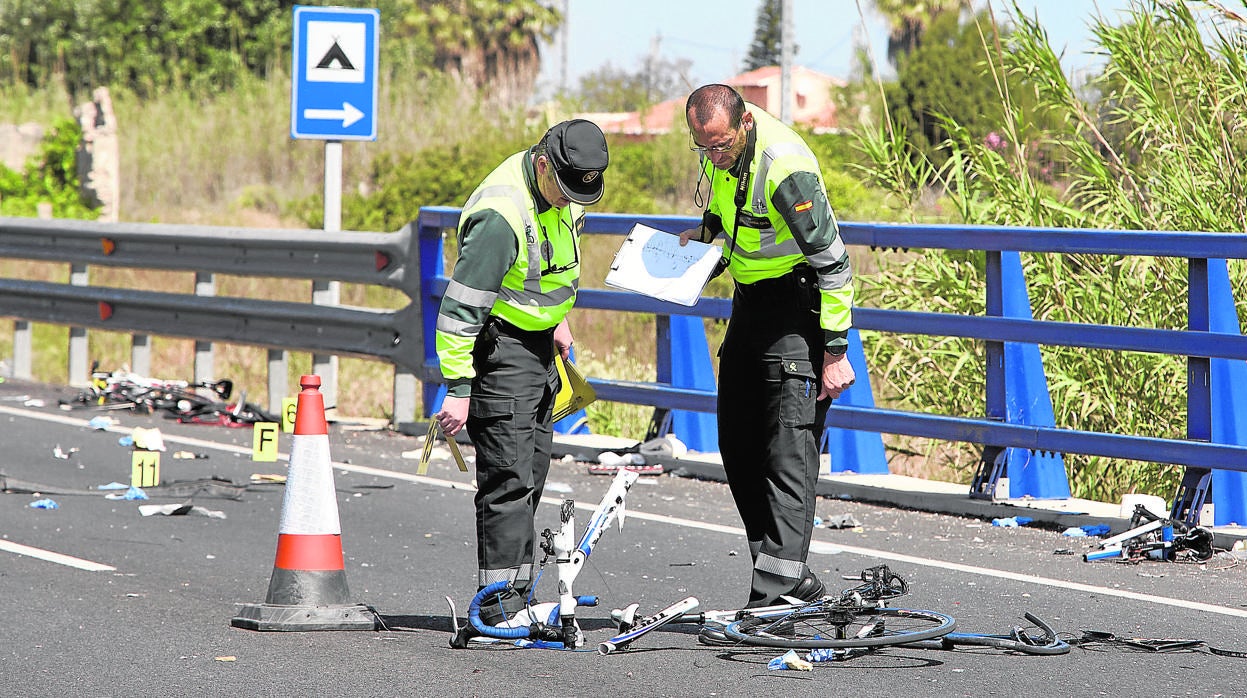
<point>333,98</point>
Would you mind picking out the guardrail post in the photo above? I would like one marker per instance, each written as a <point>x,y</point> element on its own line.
<point>79,374</point>
<point>278,379</point>
<point>853,450</point>
<point>23,334</point>
<point>141,354</point>
<point>405,387</point>
<point>78,276</point>
<point>22,338</point>
<point>205,285</point>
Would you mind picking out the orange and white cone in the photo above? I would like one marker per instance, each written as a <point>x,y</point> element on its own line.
<point>308,588</point>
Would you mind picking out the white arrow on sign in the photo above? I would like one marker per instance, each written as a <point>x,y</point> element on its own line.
<point>348,114</point>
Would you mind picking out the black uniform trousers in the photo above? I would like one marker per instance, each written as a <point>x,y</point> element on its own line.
<point>509,423</point>
<point>770,421</point>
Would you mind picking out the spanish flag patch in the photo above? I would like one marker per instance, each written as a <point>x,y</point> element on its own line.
<point>803,206</point>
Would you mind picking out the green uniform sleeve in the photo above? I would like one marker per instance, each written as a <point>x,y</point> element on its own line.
<point>487,250</point>
<point>802,202</point>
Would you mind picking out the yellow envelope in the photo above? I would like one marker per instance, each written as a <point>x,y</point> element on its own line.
<point>575,392</point>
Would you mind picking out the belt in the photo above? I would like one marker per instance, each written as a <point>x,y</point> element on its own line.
<point>501,326</point>
<point>801,276</point>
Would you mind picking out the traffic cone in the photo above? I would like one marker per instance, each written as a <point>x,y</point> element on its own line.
<point>308,588</point>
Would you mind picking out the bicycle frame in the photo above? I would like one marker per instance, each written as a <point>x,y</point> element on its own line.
<point>554,624</point>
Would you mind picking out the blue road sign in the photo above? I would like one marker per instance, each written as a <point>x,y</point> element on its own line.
<point>334,91</point>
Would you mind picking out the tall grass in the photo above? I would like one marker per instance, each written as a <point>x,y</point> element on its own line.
<point>20,104</point>
<point>228,159</point>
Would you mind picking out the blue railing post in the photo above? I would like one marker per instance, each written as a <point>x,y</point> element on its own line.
<point>432,265</point>
<point>1194,493</point>
<point>992,464</point>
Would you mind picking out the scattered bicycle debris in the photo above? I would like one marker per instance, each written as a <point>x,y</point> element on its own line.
<point>61,454</point>
<point>189,455</point>
<point>206,487</point>
<point>1154,537</point>
<point>1086,531</point>
<point>179,510</point>
<point>840,521</point>
<point>1100,640</point>
<point>203,402</point>
<point>790,660</point>
<point>131,494</point>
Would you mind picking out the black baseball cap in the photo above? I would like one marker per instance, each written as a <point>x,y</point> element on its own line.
<point>577,149</point>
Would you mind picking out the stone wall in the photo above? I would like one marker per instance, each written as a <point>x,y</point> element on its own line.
<point>18,142</point>
<point>98,159</point>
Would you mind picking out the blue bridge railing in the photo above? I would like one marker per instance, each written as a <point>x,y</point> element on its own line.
<point>994,431</point>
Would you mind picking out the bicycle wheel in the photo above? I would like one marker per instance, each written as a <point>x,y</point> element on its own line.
<point>840,627</point>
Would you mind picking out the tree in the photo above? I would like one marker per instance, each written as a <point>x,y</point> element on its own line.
<point>614,89</point>
<point>909,20</point>
<point>145,46</point>
<point>947,76</point>
<point>208,44</point>
<point>768,39</point>
<point>488,45</point>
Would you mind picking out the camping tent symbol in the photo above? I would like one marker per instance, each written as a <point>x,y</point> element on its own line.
<point>335,54</point>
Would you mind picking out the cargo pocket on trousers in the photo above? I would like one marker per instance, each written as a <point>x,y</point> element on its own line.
<point>494,428</point>
<point>798,390</point>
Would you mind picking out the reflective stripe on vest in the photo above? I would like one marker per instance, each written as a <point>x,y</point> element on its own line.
<point>532,279</point>
<point>522,301</point>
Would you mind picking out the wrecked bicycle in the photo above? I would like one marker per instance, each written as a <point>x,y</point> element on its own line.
<point>202,402</point>
<point>856,621</point>
<point>549,624</point>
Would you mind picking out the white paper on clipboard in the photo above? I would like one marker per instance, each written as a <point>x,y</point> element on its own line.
<point>652,262</point>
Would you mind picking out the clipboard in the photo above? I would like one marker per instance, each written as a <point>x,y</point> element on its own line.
<point>574,393</point>
<point>434,430</point>
<point>653,263</point>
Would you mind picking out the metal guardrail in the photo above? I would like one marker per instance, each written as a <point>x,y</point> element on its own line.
<point>411,260</point>
<point>382,259</point>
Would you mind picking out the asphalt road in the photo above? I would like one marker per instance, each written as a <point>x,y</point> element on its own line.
<point>156,620</point>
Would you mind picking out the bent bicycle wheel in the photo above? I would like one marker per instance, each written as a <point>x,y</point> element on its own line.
<point>1020,639</point>
<point>836,628</point>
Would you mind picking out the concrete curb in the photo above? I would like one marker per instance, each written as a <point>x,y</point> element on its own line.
<point>898,491</point>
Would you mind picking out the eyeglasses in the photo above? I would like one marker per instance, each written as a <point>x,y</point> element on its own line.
<point>704,149</point>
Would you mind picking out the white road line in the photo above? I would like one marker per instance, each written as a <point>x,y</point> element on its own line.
<point>58,558</point>
<point>817,547</point>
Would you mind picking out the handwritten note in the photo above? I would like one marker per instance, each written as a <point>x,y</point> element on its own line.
<point>652,262</point>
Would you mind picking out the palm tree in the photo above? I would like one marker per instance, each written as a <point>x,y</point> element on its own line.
<point>492,44</point>
<point>909,20</point>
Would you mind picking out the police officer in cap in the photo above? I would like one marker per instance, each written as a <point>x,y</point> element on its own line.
<point>503,317</point>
